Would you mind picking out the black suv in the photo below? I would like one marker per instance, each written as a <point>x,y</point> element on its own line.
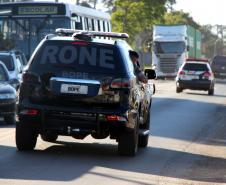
<point>218,66</point>
<point>78,85</point>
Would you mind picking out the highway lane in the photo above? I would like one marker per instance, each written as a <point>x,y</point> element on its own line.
<point>186,146</point>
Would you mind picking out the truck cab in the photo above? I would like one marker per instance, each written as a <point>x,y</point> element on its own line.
<point>171,46</point>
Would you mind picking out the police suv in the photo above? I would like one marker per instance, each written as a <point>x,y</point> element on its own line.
<point>77,85</point>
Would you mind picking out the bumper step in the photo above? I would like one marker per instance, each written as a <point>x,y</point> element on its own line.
<point>144,132</point>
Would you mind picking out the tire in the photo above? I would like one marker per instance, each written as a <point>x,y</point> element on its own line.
<point>143,139</point>
<point>10,119</point>
<point>179,90</point>
<point>128,142</point>
<point>210,91</point>
<point>26,137</point>
<point>49,137</point>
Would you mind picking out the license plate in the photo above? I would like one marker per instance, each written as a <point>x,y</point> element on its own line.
<point>74,89</point>
<point>190,77</point>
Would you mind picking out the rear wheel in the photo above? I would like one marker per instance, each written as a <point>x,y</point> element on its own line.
<point>128,141</point>
<point>26,137</point>
<point>49,137</point>
<point>179,90</point>
<point>10,119</point>
<point>143,139</point>
<point>210,91</point>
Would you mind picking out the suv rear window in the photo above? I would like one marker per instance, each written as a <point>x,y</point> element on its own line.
<point>219,60</point>
<point>8,61</point>
<point>79,56</point>
<point>195,67</point>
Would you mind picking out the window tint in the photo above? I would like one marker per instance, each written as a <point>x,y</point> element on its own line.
<point>3,76</point>
<point>219,60</point>
<point>8,61</point>
<point>195,67</point>
<point>58,56</point>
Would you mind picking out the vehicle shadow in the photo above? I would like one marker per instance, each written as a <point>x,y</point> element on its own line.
<point>206,94</point>
<point>72,161</point>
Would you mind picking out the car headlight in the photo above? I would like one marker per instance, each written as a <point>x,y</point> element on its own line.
<point>7,96</point>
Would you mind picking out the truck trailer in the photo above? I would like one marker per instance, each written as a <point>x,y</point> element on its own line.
<point>172,45</point>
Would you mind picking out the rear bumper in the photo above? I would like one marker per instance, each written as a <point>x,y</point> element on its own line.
<point>7,107</point>
<point>195,84</point>
<point>65,121</point>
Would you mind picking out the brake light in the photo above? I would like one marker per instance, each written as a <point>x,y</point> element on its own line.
<point>30,78</point>
<point>30,112</point>
<point>115,118</point>
<point>80,43</point>
<point>207,75</point>
<point>181,73</point>
<point>120,83</point>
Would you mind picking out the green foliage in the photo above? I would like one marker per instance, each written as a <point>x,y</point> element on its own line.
<point>110,4</point>
<point>179,17</point>
<point>209,41</point>
<point>135,17</point>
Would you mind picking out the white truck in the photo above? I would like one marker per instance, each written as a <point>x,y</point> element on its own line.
<point>172,45</point>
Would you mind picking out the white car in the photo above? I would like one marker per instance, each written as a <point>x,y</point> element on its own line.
<point>195,74</point>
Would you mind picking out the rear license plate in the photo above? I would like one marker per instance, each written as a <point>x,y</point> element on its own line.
<point>74,89</point>
<point>190,77</point>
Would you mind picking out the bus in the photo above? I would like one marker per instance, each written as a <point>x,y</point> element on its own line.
<point>27,23</point>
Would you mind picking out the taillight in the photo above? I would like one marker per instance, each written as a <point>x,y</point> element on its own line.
<point>121,83</point>
<point>30,78</point>
<point>115,118</point>
<point>29,112</point>
<point>181,73</point>
<point>207,75</point>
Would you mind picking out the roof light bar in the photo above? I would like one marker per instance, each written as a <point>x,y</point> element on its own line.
<point>63,31</point>
<point>197,59</point>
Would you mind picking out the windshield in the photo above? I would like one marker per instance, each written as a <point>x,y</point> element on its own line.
<point>169,47</point>
<point>26,33</point>
<point>8,61</point>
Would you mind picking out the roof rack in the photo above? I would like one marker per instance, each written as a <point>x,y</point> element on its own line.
<point>75,33</point>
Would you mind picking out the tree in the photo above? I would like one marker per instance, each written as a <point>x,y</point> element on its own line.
<point>210,43</point>
<point>85,4</point>
<point>110,4</point>
<point>179,17</point>
<point>93,2</point>
<point>135,17</point>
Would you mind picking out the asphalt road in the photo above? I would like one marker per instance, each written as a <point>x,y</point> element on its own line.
<point>187,145</point>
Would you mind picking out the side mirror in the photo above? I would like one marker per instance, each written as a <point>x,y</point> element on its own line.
<point>150,73</point>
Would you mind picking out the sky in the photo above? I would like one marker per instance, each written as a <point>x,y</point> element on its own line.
<point>204,11</point>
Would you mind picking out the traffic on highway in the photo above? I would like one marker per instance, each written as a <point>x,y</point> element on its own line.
<point>96,92</point>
